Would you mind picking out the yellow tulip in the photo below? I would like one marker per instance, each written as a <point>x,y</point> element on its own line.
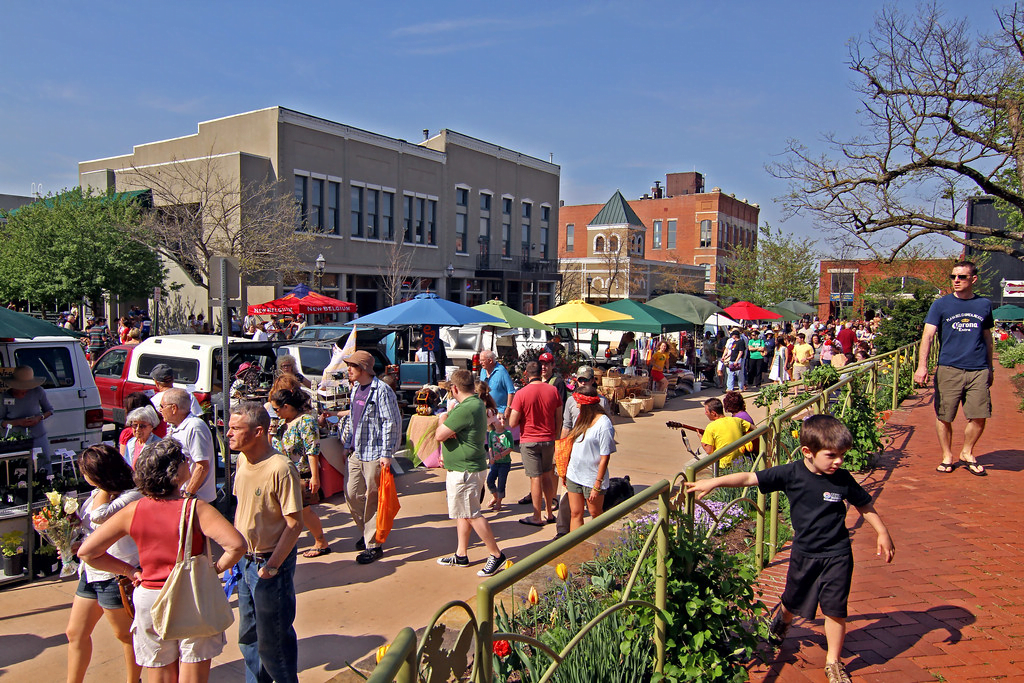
<point>796,433</point>
<point>562,571</point>
<point>381,651</point>
<point>533,597</point>
<point>508,564</point>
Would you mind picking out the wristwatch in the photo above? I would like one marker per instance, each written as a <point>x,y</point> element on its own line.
<point>271,571</point>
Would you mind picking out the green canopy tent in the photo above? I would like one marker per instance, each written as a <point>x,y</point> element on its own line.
<point>787,315</point>
<point>1008,312</point>
<point>689,307</point>
<point>21,326</point>
<point>794,306</point>
<point>512,317</point>
<point>646,319</point>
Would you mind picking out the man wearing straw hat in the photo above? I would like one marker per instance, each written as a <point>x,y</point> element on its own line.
<point>24,406</point>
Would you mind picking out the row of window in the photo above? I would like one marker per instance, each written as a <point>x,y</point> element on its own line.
<point>727,234</point>
<point>371,211</point>
<point>529,249</point>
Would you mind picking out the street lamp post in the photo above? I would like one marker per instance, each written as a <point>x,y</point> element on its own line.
<point>448,273</point>
<point>318,269</point>
<point>590,281</point>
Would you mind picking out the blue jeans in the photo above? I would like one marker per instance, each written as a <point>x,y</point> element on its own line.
<point>266,612</point>
<point>497,477</point>
<point>733,378</point>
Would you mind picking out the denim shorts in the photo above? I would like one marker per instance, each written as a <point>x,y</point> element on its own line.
<point>105,592</point>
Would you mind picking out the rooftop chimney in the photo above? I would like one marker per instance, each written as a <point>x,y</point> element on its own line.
<point>426,133</point>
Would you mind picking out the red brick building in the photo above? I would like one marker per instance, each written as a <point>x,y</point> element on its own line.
<point>684,225</point>
<point>843,283</point>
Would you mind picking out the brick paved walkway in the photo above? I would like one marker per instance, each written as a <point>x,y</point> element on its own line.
<point>951,606</point>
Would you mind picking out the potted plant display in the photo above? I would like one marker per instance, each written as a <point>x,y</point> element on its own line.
<point>13,552</point>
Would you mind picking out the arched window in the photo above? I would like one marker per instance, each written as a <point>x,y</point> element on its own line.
<point>613,244</point>
<point>598,244</point>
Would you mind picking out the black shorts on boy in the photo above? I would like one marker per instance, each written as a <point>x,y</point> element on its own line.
<point>821,563</point>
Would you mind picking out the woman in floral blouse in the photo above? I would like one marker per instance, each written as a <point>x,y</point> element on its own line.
<point>298,437</point>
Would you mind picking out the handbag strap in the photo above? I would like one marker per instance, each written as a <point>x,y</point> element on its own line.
<point>185,529</point>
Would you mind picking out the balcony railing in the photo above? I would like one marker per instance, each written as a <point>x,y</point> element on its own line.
<point>516,263</point>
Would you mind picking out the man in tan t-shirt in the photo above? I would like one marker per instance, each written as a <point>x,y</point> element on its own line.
<point>269,516</point>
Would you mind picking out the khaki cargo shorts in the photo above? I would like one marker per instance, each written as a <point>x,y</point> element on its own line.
<point>954,387</point>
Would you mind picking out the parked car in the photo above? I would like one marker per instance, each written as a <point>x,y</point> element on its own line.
<point>77,420</point>
<point>195,359</point>
<point>313,356</point>
<point>321,333</point>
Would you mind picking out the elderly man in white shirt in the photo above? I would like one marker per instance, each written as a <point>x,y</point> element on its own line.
<point>196,442</point>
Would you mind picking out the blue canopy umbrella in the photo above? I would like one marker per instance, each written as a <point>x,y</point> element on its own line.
<point>426,309</point>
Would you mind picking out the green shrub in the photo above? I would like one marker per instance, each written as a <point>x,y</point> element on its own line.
<point>905,322</point>
<point>1010,356</point>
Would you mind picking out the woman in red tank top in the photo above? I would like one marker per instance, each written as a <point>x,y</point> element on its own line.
<point>152,522</point>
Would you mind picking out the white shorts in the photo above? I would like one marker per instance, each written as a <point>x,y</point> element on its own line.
<point>153,652</point>
<point>464,489</point>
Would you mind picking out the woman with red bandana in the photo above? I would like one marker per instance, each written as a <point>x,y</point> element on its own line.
<point>593,435</point>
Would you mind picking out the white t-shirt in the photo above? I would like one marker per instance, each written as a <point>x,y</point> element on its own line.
<point>587,450</point>
<point>260,335</point>
<point>194,409</point>
<point>197,443</point>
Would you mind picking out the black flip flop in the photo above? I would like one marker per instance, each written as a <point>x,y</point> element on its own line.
<point>946,467</point>
<point>529,521</point>
<point>974,468</point>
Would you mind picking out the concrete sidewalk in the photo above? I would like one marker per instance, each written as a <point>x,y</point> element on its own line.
<point>951,605</point>
<point>345,610</point>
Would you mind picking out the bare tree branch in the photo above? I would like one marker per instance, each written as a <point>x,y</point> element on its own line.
<point>942,115</point>
<point>202,210</point>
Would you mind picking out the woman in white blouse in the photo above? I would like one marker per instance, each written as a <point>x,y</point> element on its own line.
<point>98,593</point>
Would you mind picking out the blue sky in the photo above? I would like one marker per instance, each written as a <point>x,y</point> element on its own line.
<point>620,92</point>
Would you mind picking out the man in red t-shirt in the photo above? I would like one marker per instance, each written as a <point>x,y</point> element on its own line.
<point>847,338</point>
<point>537,409</point>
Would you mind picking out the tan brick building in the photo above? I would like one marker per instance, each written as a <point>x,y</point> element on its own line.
<point>684,225</point>
<point>478,220</point>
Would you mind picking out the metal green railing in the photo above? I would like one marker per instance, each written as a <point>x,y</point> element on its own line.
<point>405,657</point>
<point>401,662</point>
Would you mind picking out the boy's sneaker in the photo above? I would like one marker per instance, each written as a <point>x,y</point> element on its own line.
<point>454,560</point>
<point>778,626</point>
<point>836,673</point>
<point>493,565</point>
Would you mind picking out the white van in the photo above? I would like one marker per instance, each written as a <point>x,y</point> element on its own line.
<point>465,342</point>
<point>77,419</point>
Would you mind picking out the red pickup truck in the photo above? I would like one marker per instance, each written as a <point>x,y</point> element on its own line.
<point>111,375</point>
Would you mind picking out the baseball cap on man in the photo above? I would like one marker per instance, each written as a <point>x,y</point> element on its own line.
<point>585,372</point>
<point>546,357</point>
<point>361,359</point>
<point>162,373</point>
<point>736,332</point>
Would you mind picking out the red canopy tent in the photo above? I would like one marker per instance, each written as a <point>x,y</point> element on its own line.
<point>302,300</point>
<point>744,310</point>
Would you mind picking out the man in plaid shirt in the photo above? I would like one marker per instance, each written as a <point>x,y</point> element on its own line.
<point>371,434</point>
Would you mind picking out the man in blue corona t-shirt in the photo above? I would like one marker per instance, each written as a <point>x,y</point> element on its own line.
<point>964,372</point>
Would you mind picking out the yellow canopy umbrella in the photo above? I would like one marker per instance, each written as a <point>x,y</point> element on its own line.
<point>579,312</point>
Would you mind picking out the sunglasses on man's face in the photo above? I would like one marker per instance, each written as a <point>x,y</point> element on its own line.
<point>957,276</point>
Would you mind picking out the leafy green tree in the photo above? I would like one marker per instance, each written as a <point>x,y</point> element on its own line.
<point>905,322</point>
<point>778,267</point>
<point>74,245</point>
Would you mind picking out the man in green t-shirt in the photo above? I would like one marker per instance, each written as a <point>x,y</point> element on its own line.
<point>463,433</point>
<point>755,361</point>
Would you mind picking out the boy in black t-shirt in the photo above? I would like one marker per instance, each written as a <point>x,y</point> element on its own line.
<point>821,562</point>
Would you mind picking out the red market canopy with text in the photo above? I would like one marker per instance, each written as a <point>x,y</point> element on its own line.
<point>302,300</point>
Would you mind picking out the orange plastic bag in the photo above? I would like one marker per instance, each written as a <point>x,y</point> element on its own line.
<point>387,504</point>
<point>563,451</point>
